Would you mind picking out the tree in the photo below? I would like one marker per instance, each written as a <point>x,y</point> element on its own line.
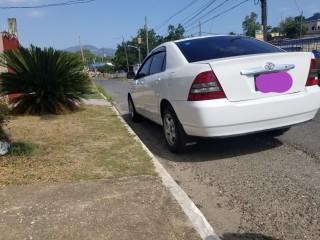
<point>133,54</point>
<point>88,56</point>
<point>106,69</point>
<point>120,61</point>
<point>292,27</point>
<point>154,40</point>
<point>48,80</point>
<point>250,25</point>
<point>275,30</point>
<point>174,33</point>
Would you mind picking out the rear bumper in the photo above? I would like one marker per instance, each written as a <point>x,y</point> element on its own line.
<point>218,118</point>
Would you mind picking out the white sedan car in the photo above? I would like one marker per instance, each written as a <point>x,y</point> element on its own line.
<point>221,86</point>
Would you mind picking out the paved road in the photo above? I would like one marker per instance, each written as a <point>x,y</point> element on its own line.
<point>118,90</point>
<point>251,187</point>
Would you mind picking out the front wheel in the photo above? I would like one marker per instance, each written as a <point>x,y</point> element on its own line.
<point>173,131</point>
<point>135,117</point>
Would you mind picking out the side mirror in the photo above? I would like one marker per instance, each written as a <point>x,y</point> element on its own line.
<point>131,75</point>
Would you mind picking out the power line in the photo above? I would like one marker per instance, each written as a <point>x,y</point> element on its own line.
<point>196,13</point>
<point>227,5</point>
<point>50,5</point>
<point>153,7</point>
<point>219,14</point>
<point>204,11</point>
<point>206,14</point>
<point>297,6</point>
<point>192,15</point>
<point>184,8</point>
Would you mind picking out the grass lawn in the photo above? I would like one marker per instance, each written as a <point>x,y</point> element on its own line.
<point>86,145</point>
<point>96,95</point>
<point>98,90</point>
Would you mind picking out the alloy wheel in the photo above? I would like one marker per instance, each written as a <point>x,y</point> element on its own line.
<point>170,129</point>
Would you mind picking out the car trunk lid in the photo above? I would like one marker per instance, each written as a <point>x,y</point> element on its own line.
<point>263,75</point>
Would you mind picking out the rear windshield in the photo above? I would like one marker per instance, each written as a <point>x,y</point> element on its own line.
<point>202,49</point>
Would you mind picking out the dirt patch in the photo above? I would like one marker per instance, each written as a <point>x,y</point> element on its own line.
<point>127,208</point>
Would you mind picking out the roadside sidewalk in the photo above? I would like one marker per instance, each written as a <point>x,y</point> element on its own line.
<point>99,102</point>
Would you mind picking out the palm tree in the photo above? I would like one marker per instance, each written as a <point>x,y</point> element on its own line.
<point>48,80</point>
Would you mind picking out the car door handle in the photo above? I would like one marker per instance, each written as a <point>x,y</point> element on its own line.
<point>158,79</point>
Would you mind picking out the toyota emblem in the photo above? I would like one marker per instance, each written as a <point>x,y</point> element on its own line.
<point>269,66</point>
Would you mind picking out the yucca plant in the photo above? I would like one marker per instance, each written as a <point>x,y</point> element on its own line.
<point>4,112</point>
<point>48,80</point>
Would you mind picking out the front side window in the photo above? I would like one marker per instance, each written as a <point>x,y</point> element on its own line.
<point>145,69</point>
<point>157,63</point>
<point>208,48</point>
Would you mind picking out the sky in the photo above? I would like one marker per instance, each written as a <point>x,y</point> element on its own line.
<point>104,23</point>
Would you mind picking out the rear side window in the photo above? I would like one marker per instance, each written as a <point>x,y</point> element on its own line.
<point>157,63</point>
<point>202,49</point>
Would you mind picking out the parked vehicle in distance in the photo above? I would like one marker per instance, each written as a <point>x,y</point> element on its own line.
<point>221,86</point>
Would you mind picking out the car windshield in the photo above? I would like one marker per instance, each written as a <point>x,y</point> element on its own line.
<point>202,49</point>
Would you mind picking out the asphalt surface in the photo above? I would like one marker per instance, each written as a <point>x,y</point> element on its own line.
<point>250,187</point>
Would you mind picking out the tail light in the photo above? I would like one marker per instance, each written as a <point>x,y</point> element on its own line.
<point>205,87</point>
<point>312,77</point>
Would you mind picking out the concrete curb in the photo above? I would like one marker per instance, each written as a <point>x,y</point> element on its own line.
<point>198,220</point>
<point>99,102</point>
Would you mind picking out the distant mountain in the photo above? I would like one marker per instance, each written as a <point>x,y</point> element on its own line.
<point>96,51</point>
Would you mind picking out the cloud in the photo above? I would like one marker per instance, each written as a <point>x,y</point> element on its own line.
<point>35,13</point>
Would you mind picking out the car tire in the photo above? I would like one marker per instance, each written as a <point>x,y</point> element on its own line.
<point>134,116</point>
<point>173,131</point>
<point>278,132</point>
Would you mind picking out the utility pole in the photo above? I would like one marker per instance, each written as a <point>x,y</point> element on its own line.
<point>138,48</point>
<point>264,19</point>
<point>81,49</point>
<point>200,32</point>
<point>147,38</point>
<point>139,44</point>
<point>301,24</point>
<point>125,50</point>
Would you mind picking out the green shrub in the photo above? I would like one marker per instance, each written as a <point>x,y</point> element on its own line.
<point>48,80</point>
<point>4,112</point>
<point>22,148</point>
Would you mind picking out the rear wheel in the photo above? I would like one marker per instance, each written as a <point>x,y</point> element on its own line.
<point>135,117</point>
<point>173,131</point>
